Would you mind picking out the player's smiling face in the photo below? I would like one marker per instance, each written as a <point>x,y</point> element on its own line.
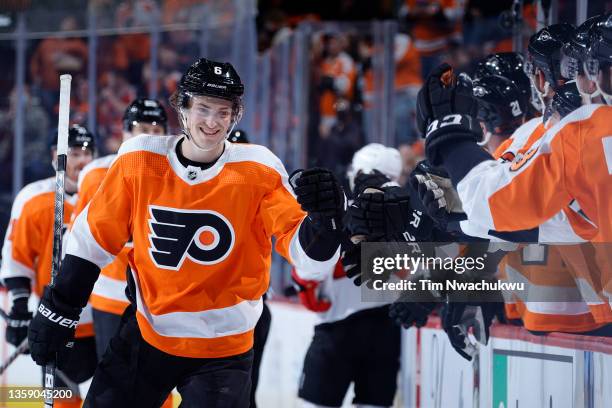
<point>209,120</point>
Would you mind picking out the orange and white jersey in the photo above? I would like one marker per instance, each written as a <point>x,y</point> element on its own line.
<point>568,168</point>
<point>553,300</point>
<point>343,71</point>
<point>28,244</point>
<point>202,240</point>
<point>407,69</point>
<point>520,141</point>
<point>109,291</point>
<point>345,298</point>
<point>571,161</point>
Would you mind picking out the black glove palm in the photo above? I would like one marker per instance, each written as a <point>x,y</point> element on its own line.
<point>446,112</point>
<point>430,195</point>
<point>408,314</point>
<point>388,217</point>
<point>459,317</point>
<point>441,96</point>
<point>373,179</point>
<point>321,196</point>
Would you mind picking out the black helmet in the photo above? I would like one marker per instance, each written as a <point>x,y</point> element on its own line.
<point>211,78</point>
<point>78,136</point>
<point>501,106</point>
<point>509,65</point>
<point>567,99</point>
<point>575,52</point>
<point>601,42</point>
<point>238,136</point>
<point>544,52</point>
<point>600,56</point>
<point>144,110</point>
<point>578,45</point>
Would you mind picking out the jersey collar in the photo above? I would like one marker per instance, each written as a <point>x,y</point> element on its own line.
<point>193,175</point>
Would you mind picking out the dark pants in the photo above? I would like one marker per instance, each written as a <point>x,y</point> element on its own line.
<point>261,335</point>
<point>363,349</point>
<point>105,326</point>
<point>133,373</point>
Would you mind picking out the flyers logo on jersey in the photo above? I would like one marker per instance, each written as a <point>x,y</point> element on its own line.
<point>523,160</point>
<point>205,237</point>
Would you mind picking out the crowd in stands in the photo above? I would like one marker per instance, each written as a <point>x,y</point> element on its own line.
<point>342,77</point>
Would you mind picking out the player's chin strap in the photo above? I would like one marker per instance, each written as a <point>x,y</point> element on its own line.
<point>588,97</point>
<point>606,96</point>
<point>485,139</point>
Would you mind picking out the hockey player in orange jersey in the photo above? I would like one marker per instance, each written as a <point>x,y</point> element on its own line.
<point>27,253</point>
<point>108,299</point>
<point>201,212</point>
<point>572,161</point>
<point>496,189</point>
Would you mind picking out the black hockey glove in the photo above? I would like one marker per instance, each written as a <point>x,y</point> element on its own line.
<point>351,263</point>
<point>373,179</point>
<point>52,328</point>
<point>388,217</point>
<point>443,95</point>
<point>432,198</point>
<point>459,317</point>
<point>446,112</point>
<point>408,314</point>
<point>321,196</point>
<point>17,322</point>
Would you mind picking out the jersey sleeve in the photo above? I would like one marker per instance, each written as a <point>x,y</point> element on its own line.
<point>283,218</point>
<point>88,187</point>
<point>518,195</point>
<point>21,243</point>
<point>103,227</point>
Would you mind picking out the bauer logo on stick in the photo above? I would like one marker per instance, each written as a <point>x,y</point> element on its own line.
<point>205,237</point>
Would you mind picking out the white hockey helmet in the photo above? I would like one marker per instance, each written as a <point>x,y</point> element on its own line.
<point>375,156</point>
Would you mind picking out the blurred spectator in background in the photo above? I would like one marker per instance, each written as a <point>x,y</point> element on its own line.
<point>482,29</point>
<point>131,52</point>
<point>79,102</point>
<point>52,56</point>
<point>435,24</point>
<point>407,82</point>
<point>137,13</point>
<point>187,11</point>
<point>411,155</point>
<point>345,137</point>
<point>184,46</point>
<point>115,95</point>
<point>337,81</point>
<point>36,125</point>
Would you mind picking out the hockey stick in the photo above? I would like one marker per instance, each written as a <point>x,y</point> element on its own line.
<point>22,348</point>
<point>58,223</point>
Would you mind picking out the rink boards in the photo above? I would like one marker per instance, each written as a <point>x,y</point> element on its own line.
<point>515,369</point>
